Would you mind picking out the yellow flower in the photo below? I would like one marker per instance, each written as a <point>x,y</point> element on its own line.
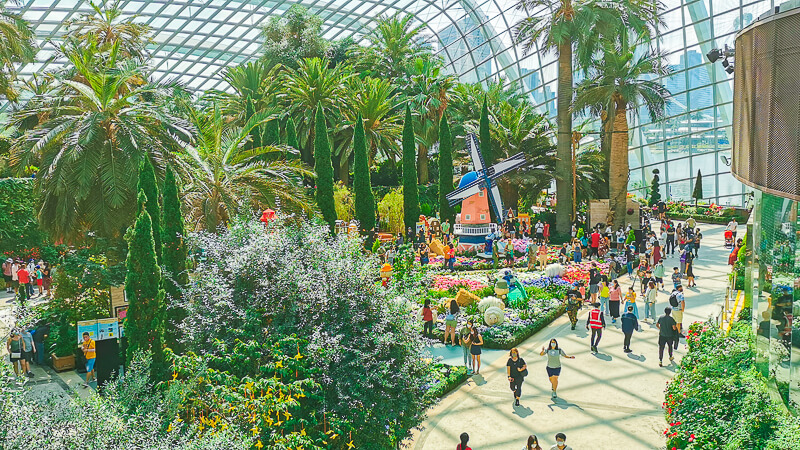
<point>350,445</point>
<point>254,430</point>
<point>259,445</point>
<point>169,428</point>
<point>279,365</point>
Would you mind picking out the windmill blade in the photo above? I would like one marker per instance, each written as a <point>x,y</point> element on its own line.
<point>475,152</point>
<point>497,203</point>
<point>503,167</point>
<point>467,191</point>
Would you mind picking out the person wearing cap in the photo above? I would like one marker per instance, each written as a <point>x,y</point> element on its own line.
<point>7,274</point>
<point>629,325</point>
<point>596,322</point>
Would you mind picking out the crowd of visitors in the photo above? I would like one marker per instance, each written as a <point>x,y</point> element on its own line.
<point>29,279</point>
<point>532,443</point>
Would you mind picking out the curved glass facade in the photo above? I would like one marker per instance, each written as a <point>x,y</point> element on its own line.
<point>195,39</point>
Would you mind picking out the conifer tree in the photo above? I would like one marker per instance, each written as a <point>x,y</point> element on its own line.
<point>362,186</point>
<point>324,168</point>
<point>291,135</point>
<point>173,255</point>
<point>697,194</point>
<point>147,183</point>
<point>445,169</point>
<point>485,135</point>
<point>144,325</point>
<point>272,133</point>
<point>410,192</point>
<point>655,189</point>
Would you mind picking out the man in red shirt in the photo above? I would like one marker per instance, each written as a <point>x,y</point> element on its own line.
<point>595,244</point>
<point>24,279</point>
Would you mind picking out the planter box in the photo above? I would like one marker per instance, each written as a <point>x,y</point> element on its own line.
<point>62,363</point>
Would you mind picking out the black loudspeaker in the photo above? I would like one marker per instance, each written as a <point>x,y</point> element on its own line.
<point>766,105</point>
<point>107,364</point>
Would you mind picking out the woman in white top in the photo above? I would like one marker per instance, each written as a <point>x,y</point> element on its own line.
<point>650,301</point>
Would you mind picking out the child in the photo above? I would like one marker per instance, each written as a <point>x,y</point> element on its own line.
<point>630,301</point>
<point>676,277</point>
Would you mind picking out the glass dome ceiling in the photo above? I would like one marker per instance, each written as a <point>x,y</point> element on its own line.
<point>195,40</point>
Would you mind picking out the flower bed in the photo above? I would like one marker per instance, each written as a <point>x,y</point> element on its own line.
<point>444,378</point>
<point>718,399</point>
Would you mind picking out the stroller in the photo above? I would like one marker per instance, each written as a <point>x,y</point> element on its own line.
<point>728,239</point>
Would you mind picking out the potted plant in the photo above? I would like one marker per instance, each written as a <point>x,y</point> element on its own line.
<point>61,344</point>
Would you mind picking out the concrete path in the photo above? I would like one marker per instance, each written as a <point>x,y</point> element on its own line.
<point>611,400</point>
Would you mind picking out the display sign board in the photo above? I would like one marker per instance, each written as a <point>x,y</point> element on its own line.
<point>88,326</point>
<point>108,329</point>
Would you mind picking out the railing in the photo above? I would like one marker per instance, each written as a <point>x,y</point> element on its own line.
<point>474,230</point>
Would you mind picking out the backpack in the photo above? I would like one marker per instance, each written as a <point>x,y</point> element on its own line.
<point>673,299</point>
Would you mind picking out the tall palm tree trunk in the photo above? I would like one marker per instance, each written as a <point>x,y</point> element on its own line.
<point>618,172</point>
<point>564,178</point>
<point>607,121</point>
<point>422,164</point>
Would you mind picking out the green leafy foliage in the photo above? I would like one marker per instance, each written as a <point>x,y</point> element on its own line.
<point>324,168</point>
<point>445,170</point>
<point>19,229</point>
<point>362,186</point>
<point>718,399</point>
<point>410,192</point>
<point>655,193</point>
<point>148,185</point>
<point>174,253</point>
<point>144,324</point>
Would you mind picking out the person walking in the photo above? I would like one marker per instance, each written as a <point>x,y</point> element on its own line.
<point>630,300</point>
<point>604,292</point>
<point>29,353</point>
<point>464,438</point>
<point>465,345</point>
<point>698,236</point>
<point>427,319</point>
<point>677,302</point>
<point>450,322</point>
<point>690,270</point>
<point>650,301</point>
<point>546,232</point>
<point>531,251</point>
<point>629,325</point>
<point>614,296</point>
<point>576,252</point>
<point>683,257</point>
<point>476,342</point>
<point>88,348</point>
<point>594,250</point>
<point>666,335</point>
<point>517,371</point>
<point>532,443</point>
<point>561,442</point>
<point>596,322</point>
<point>732,226</point>
<point>554,354</point>
<point>658,273</point>
<point>656,252</point>
<point>669,247</point>
<point>573,305</point>
<point>15,347</point>
<point>39,335</point>
<point>7,275</point>
<point>24,278</point>
<point>594,281</point>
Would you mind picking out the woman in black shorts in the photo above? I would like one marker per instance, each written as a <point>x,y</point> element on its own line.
<point>554,355</point>
<point>476,341</point>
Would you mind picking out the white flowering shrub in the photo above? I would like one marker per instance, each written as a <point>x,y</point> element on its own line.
<point>299,280</point>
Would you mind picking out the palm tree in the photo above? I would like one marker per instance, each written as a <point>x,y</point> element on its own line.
<point>519,128</point>
<point>253,90</point>
<point>377,103</point>
<point>622,80</point>
<point>17,45</point>
<point>392,44</point>
<point>92,132</point>
<point>313,83</point>
<point>571,24</point>
<point>428,90</point>
<point>226,178</point>
<point>106,29</point>
<point>589,175</point>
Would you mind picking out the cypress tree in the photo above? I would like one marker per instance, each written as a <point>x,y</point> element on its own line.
<point>697,194</point>
<point>272,133</point>
<point>144,325</point>
<point>362,186</point>
<point>147,183</point>
<point>485,135</point>
<point>445,169</point>
<point>655,189</point>
<point>173,253</point>
<point>410,193</point>
<point>324,168</point>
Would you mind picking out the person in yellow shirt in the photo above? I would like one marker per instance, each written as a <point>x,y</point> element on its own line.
<point>630,300</point>
<point>604,293</point>
<point>88,347</point>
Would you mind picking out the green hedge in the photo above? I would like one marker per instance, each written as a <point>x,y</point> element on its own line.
<point>719,400</point>
<point>19,229</point>
<point>522,333</point>
<point>448,378</point>
<point>706,219</point>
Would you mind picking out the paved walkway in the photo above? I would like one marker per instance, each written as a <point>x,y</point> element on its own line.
<point>611,400</point>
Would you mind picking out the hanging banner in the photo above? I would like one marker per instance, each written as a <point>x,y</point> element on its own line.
<point>88,326</point>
